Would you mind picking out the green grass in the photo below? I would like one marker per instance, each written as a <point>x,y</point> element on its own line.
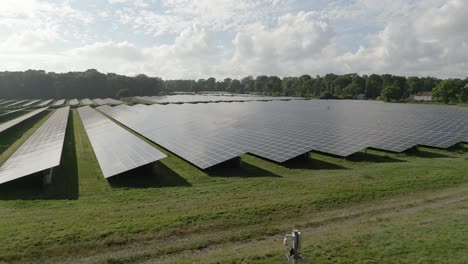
<point>259,199</point>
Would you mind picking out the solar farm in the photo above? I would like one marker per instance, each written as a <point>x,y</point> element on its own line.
<point>219,178</point>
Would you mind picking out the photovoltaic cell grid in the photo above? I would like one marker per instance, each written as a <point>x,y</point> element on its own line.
<point>116,149</point>
<point>43,150</point>
<point>86,102</point>
<point>46,102</point>
<point>11,112</point>
<point>207,134</point>
<point>6,102</point>
<point>16,103</point>
<point>59,102</point>
<point>112,101</point>
<point>11,123</point>
<point>31,102</point>
<point>99,101</point>
<point>73,102</point>
<point>171,99</point>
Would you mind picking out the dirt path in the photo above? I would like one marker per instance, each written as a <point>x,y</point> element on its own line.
<point>183,247</point>
<point>345,220</point>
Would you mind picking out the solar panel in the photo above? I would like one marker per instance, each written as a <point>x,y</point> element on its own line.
<point>203,98</point>
<point>59,102</point>
<point>208,134</point>
<point>99,101</point>
<point>11,123</point>
<point>113,101</point>
<point>16,103</point>
<point>73,102</point>
<point>6,102</point>
<point>116,149</point>
<point>41,151</point>
<point>46,102</point>
<point>86,102</point>
<point>11,112</point>
<point>31,102</point>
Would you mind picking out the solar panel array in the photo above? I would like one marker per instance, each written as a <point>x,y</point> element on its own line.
<point>99,101</point>
<point>31,102</point>
<point>41,151</point>
<point>208,134</point>
<point>113,101</point>
<point>86,102</point>
<point>117,150</point>
<point>11,123</point>
<point>6,102</point>
<point>59,102</point>
<point>73,102</point>
<point>46,102</point>
<point>203,98</point>
<point>16,103</point>
<point>11,112</point>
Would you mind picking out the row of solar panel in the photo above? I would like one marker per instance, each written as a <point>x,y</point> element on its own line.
<point>200,98</point>
<point>41,151</point>
<point>116,149</point>
<point>73,102</point>
<point>209,134</point>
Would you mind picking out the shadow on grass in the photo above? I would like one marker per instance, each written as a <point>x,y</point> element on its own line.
<point>64,184</point>
<point>460,148</point>
<point>154,175</point>
<point>371,157</point>
<point>421,153</point>
<point>244,170</point>
<point>11,135</point>
<point>312,164</point>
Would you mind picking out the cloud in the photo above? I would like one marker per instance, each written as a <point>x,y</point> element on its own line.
<point>30,24</point>
<point>221,38</point>
<point>282,49</point>
<point>216,15</point>
<point>430,41</point>
<point>109,50</point>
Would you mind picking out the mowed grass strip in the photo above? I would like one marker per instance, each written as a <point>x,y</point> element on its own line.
<point>251,199</point>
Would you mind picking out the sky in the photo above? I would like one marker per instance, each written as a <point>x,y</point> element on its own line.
<point>191,39</point>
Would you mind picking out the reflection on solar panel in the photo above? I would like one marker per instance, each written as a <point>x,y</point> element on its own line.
<point>207,134</point>
<point>59,102</point>
<point>73,102</point>
<point>86,102</point>
<point>99,101</point>
<point>46,102</point>
<point>31,103</point>
<point>17,103</point>
<point>113,101</point>
<point>41,151</point>
<point>116,149</point>
<point>20,119</point>
<point>11,112</point>
<point>6,102</point>
<point>198,98</point>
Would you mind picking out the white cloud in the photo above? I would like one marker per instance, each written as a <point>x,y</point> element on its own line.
<point>31,24</point>
<point>109,50</point>
<point>216,15</point>
<point>282,49</point>
<point>431,41</point>
<point>224,38</point>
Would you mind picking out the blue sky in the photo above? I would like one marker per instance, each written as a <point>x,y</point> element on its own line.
<point>225,38</point>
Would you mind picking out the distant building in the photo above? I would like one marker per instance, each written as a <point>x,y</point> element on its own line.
<point>425,96</point>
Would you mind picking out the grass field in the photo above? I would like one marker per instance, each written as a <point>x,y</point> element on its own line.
<point>371,208</point>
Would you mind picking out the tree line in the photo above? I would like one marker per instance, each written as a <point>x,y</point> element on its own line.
<point>93,84</point>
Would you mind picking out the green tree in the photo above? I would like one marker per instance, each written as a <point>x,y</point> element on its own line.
<point>447,90</point>
<point>390,92</point>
